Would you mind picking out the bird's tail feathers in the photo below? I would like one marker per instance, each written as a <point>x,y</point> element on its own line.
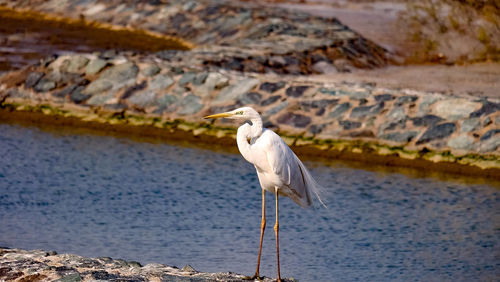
<point>315,187</point>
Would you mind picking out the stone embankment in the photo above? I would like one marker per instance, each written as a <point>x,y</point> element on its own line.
<point>257,57</point>
<point>38,265</point>
<point>359,118</point>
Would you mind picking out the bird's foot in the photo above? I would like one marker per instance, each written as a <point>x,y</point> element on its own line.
<point>254,277</point>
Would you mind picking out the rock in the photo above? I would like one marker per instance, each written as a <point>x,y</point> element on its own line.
<point>490,133</point>
<point>214,80</point>
<point>186,78</point>
<point>65,91</point>
<point>18,93</point>
<point>113,78</point>
<point>397,114</point>
<point>143,99</point>
<point>469,125</point>
<point>250,98</point>
<point>235,91</point>
<point>271,87</point>
<point>200,78</point>
<point>426,101</point>
<point>426,120</point>
<point>356,95</point>
<point>101,99</point>
<point>270,100</point>
<point>323,67</point>
<point>339,110</point>
<point>295,120</point>
<point>316,128</point>
<point>160,82</point>
<point>367,111</point>
<point>347,124</point>
<point>74,64</point>
<point>437,131</point>
<point>32,79</point>
<point>165,102</point>
<point>490,145</point>
<point>190,105</point>
<point>78,96</point>
<point>119,74</point>
<point>384,97</point>
<point>133,89</point>
<point>405,99</point>
<point>487,121</point>
<point>72,277</point>
<point>318,104</point>
<point>188,268</point>
<point>44,85</point>
<point>275,109</point>
<point>486,109</point>
<point>343,65</point>
<point>405,136</point>
<point>151,70</point>
<point>98,86</point>
<point>296,91</point>
<point>454,109</point>
<point>462,142</point>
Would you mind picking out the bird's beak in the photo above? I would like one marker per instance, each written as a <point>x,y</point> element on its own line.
<point>221,115</point>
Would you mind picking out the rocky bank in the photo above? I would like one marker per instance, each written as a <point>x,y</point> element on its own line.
<point>39,265</point>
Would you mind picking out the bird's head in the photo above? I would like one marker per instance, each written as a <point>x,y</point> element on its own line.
<point>244,113</point>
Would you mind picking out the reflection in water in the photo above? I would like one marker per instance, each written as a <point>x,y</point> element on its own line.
<point>107,196</point>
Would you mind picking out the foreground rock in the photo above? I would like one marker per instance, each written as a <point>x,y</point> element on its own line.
<point>38,265</point>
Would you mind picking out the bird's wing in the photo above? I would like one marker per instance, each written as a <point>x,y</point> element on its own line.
<point>289,169</point>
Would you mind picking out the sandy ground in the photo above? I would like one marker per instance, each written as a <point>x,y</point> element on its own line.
<point>378,21</point>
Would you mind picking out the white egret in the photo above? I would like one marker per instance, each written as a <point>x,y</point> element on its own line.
<point>279,170</point>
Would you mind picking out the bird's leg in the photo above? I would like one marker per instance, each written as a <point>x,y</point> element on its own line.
<point>262,228</point>
<point>276,232</point>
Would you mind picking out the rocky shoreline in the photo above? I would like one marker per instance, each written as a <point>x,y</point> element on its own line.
<point>261,58</point>
<point>39,265</point>
<point>142,90</point>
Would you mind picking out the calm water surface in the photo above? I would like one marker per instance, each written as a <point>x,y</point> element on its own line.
<point>108,196</point>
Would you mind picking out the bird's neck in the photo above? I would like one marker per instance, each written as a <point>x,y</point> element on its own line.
<point>246,132</point>
<point>255,128</point>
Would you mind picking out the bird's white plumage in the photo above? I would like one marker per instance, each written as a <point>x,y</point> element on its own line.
<point>277,165</point>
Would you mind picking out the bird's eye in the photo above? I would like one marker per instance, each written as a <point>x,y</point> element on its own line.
<point>239,113</point>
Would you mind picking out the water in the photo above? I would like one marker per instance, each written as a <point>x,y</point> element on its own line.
<point>156,202</point>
